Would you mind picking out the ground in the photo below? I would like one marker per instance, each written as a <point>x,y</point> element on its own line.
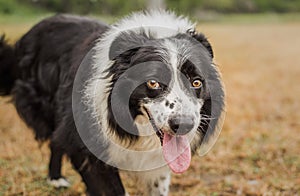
<point>257,152</point>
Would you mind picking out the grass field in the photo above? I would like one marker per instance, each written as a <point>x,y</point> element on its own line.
<point>257,152</point>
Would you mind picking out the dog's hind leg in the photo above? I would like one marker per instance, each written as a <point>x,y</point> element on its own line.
<point>55,178</point>
<point>36,110</point>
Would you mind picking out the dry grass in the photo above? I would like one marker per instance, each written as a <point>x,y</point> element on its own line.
<point>258,150</point>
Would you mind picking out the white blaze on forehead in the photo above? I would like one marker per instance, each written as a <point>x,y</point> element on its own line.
<point>176,53</point>
<point>175,58</point>
<point>172,57</point>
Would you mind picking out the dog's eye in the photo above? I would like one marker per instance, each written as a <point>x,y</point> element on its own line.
<point>153,84</point>
<point>197,83</point>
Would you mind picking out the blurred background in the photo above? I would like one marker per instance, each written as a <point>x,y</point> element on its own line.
<point>257,47</point>
<point>119,7</point>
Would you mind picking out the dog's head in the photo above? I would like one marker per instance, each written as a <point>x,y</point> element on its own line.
<point>169,82</point>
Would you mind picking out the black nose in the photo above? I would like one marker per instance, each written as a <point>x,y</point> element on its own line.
<point>181,124</point>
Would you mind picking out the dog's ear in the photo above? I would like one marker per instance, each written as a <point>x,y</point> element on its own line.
<point>120,116</point>
<point>126,43</point>
<point>121,51</point>
<point>212,111</point>
<point>200,37</point>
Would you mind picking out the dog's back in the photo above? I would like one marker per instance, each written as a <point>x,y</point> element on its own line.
<point>45,59</point>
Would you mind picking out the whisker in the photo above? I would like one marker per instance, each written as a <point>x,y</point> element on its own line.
<point>207,118</point>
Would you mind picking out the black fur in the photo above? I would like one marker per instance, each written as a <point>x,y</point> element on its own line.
<point>7,68</point>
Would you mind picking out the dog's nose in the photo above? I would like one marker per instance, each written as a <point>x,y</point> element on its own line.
<point>181,125</point>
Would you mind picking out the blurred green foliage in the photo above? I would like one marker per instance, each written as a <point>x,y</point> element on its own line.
<point>120,7</point>
<point>235,6</point>
<point>102,7</point>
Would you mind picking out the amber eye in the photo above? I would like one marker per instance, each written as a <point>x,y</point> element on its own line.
<point>153,84</point>
<point>197,83</point>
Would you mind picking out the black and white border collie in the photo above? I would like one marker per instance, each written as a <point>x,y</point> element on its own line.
<point>142,95</point>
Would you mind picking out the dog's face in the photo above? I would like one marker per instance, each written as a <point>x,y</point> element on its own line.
<point>162,82</point>
<point>169,82</point>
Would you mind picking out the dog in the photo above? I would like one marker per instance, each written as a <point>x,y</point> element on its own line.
<point>141,95</point>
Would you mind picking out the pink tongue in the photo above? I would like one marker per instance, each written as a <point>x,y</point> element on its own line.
<point>177,152</point>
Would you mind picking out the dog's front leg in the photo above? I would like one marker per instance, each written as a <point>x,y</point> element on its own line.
<point>156,181</point>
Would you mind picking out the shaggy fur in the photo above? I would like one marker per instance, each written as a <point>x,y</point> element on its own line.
<point>39,73</point>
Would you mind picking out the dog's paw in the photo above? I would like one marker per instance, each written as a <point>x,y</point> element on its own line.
<point>59,183</point>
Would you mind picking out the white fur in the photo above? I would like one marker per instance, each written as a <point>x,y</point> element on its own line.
<point>156,182</point>
<point>154,22</point>
<point>59,183</point>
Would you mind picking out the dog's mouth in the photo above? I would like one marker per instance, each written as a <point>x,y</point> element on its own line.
<point>157,130</point>
<point>160,135</point>
<point>176,149</point>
